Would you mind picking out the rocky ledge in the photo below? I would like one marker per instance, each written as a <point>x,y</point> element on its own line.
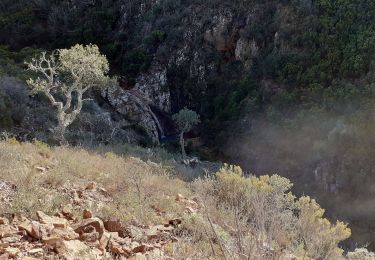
<point>63,236</point>
<point>91,237</point>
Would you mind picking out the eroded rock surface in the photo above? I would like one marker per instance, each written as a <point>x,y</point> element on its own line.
<point>90,238</point>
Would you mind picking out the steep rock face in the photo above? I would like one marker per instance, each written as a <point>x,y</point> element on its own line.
<point>177,52</point>
<point>220,34</point>
<point>153,86</point>
<point>135,105</point>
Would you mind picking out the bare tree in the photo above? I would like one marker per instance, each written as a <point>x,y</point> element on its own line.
<point>64,77</point>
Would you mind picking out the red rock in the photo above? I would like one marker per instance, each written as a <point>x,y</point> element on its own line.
<point>138,248</point>
<point>26,225</point>
<point>103,242</point>
<point>53,241</point>
<point>41,230</point>
<point>55,221</point>
<point>7,231</point>
<point>113,225</point>
<point>88,226</point>
<point>87,213</point>
<point>74,250</point>
<point>65,233</point>
<point>116,248</point>
<point>66,211</point>
<point>32,228</point>
<point>4,221</point>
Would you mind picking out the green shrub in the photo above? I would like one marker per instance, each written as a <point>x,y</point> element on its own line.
<point>361,254</point>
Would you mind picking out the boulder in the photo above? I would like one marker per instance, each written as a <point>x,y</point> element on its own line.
<point>116,248</point>
<point>65,233</point>
<point>8,231</point>
<point>104,240</point>
<point>113,225</point>
<point>87,213</point>
<point>55,221</point>
<point>66,212</point>
<point>89,225</point>
<point>75,249</point>
<point>34,229</point>
<point>52,241</point>
<point>138,248</point>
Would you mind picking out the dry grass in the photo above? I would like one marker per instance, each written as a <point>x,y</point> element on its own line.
<point>243,218</point>
<point>134,185</point>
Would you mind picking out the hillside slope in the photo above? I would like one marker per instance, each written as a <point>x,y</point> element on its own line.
<point>135,208</point>
<point>281,86</point>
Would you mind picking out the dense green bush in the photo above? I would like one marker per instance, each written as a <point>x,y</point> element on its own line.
<point>6,121</point>
<point>13,102</point>
<point>311,53</point>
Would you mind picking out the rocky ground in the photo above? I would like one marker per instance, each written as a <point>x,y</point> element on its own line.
<point>63,236</point>
<point>72,203</point>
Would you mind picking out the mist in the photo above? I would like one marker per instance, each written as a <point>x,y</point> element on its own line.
<point>328,156</point>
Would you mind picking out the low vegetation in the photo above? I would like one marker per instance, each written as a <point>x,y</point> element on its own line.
<point>284,86</point>
<point>229,215</point>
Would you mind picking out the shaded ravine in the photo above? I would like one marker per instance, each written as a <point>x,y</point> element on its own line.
<point>146,104</point>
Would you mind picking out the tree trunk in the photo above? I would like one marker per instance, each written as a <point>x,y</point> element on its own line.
<point>182,143</point>
<point>60,134</point>
<point>61,128</point>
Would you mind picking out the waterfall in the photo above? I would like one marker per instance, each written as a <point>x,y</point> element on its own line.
<point>145,103</point>
<point>157,122</point>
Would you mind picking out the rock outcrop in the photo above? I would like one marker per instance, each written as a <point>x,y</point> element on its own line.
<point>136,103</point>
<point>90,238</point>
<point>66,236</point>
